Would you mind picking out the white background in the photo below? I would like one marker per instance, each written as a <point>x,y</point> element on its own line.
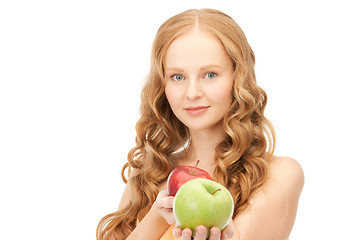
<point>71,73</point>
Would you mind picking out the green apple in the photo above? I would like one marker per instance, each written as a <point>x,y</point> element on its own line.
<point>205,202</point>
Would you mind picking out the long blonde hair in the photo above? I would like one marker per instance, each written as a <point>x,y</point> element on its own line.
<point>241,158</point>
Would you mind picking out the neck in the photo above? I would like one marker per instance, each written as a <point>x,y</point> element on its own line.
<point>203,144</point>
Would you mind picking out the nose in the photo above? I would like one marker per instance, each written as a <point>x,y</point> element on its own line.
<point>193,90</point>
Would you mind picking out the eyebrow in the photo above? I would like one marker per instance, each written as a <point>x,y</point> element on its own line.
<point>201,69</point>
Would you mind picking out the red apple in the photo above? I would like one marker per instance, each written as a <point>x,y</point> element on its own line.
<point>182,174</point>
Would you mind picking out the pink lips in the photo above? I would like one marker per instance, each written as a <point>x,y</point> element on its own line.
<point>196,110</point>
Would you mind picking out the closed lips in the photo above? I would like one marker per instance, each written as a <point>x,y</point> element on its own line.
<point>196,108</point>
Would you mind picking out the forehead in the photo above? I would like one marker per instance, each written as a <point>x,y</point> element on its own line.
<point>196,48</point>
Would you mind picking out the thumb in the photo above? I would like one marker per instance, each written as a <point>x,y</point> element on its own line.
<point>164,200</point>
<point>168,202</point>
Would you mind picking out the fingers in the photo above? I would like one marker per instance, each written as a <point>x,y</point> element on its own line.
<point>186,234</point>
<point>215,233</point>
<point>164,206</point>
<point>164,200</point>
<point>228,232</point>
<point>177,232</point>
<point>201,232</point>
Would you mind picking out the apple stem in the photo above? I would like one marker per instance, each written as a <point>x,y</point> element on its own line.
<point>194,172</point>
<point>196,165</point>
<point>219,189</point>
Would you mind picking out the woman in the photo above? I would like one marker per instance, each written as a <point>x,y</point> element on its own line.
<point>202,102</point>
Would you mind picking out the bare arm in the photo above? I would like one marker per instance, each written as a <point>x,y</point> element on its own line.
<point>272,212</point>
<point>153,225</point>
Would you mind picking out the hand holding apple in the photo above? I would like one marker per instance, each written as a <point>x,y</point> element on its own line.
<point>202,232</point>
<point>203,202</point>
<point>164,206</point>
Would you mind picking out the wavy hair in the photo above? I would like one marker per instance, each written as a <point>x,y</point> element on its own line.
<point>241,158</point>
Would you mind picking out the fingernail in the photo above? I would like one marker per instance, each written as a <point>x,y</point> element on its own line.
<point>186,235</point>
<point>201,232</point>
<point>216,233</point>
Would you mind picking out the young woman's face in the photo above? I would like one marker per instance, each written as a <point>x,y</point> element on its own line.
<point>199,80</point>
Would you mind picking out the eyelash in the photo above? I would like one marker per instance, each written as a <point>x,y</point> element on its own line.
<point>206,74</point>
<point>174,75</point>
<point>211,73</point>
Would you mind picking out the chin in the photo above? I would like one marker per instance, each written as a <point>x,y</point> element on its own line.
<point>202,127</point>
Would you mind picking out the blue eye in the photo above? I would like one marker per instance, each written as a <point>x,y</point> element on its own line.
<point>177,77</point>
<point>210,75</point>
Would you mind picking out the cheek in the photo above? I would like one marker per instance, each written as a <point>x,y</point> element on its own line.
<point>222,94</point>
<point>172,95</point>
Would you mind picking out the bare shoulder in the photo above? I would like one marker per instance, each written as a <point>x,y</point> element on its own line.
<point>284,183</point>
<point>272,209</point>
<point>286,171</point>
